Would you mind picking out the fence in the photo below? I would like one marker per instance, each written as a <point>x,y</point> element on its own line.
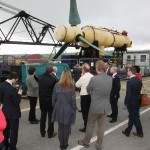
<point>122,64</point>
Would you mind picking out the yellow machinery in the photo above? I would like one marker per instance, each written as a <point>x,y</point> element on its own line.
<point>105,37</point>
<point>87,35</point>
<point>20,61</point>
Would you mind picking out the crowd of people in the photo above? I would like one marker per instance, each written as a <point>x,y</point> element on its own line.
<point>57,100</point>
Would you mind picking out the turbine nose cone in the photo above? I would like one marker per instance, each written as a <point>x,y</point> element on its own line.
<point>59,33</point>
<point>67,33</point>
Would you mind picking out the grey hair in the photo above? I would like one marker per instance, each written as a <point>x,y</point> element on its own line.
<point>54,68</point>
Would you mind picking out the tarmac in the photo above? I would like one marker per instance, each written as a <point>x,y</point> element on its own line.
<point>30,139</point>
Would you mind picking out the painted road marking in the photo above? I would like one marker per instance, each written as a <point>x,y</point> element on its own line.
<point>110,130</point>
<point>122,91</point>
<point>27,109</point>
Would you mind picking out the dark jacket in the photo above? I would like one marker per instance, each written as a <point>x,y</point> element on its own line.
<point>115,91</point>
<point>64,104</point>
<point>77,73</point>
<point>11,101</point>
<point>133,90</point>
<point>46,86</point>
<point>55,77</point>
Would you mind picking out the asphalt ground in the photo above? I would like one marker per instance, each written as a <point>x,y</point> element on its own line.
<point>30,138</point>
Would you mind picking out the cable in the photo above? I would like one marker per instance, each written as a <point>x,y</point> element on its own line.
<point>9,11</point>
<point>10,6</point>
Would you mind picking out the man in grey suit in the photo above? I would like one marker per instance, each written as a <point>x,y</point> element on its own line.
<point>99,87</point>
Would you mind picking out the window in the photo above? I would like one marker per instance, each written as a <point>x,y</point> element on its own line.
<point>143,58</point>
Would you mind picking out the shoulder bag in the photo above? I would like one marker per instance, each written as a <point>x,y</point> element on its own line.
<point>144,99</point>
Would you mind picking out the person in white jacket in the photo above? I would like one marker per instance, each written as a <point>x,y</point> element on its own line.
<point>84,96</point>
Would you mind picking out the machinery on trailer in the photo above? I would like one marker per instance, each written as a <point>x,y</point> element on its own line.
<point>89,36</point>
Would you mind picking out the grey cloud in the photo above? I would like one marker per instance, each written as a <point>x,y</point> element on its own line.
<point>130,15</point>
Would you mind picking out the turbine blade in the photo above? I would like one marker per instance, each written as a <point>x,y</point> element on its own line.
<point>64,46</point>
<point>74,18</point>
<point>80,38</point>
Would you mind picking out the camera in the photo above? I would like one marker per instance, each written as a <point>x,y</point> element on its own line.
<point>20,88</point>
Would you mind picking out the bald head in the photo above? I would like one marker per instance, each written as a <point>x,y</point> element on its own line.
<point>113,69</point>
<point>86,67</point>
<point>55,69</point>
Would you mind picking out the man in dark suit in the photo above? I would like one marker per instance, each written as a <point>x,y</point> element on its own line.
<point>46,86</point>
<point>132,101</point>
<point>11,98</point>
<point>114,95</point>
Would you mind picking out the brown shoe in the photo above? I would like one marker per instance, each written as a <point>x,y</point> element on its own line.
<point>81,142</point>
<point>139,135</point>
<point>53,135</point>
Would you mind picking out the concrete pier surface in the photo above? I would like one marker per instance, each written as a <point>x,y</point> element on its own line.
<point>30,138</point>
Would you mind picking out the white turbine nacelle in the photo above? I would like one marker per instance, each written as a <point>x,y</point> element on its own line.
<point>105,37</point>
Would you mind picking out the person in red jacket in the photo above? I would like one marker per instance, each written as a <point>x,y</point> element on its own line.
<point>2,127</point>
<point>138,75</point>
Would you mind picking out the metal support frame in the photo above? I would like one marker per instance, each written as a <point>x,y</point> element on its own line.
<point>36,39</point>
<point>118,54</point>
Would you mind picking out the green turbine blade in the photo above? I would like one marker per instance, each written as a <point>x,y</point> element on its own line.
<point>64,46</point>
<point>74,18</point>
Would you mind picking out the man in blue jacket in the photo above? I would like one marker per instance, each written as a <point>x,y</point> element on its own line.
<point>132,101</point>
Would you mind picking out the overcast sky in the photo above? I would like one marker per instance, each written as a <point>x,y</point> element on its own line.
<point>130,15</point>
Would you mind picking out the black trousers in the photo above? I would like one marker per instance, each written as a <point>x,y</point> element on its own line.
<point>114,107</point>
<point>63,134</point>
<point>32,111</point>
<point>11,133</point>
<point>46,109</point>
<point>1,145</point>
<point>85,105</point>
<point>134,119</point>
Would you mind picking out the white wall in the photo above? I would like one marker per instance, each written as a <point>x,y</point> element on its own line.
<point>136,59</point>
